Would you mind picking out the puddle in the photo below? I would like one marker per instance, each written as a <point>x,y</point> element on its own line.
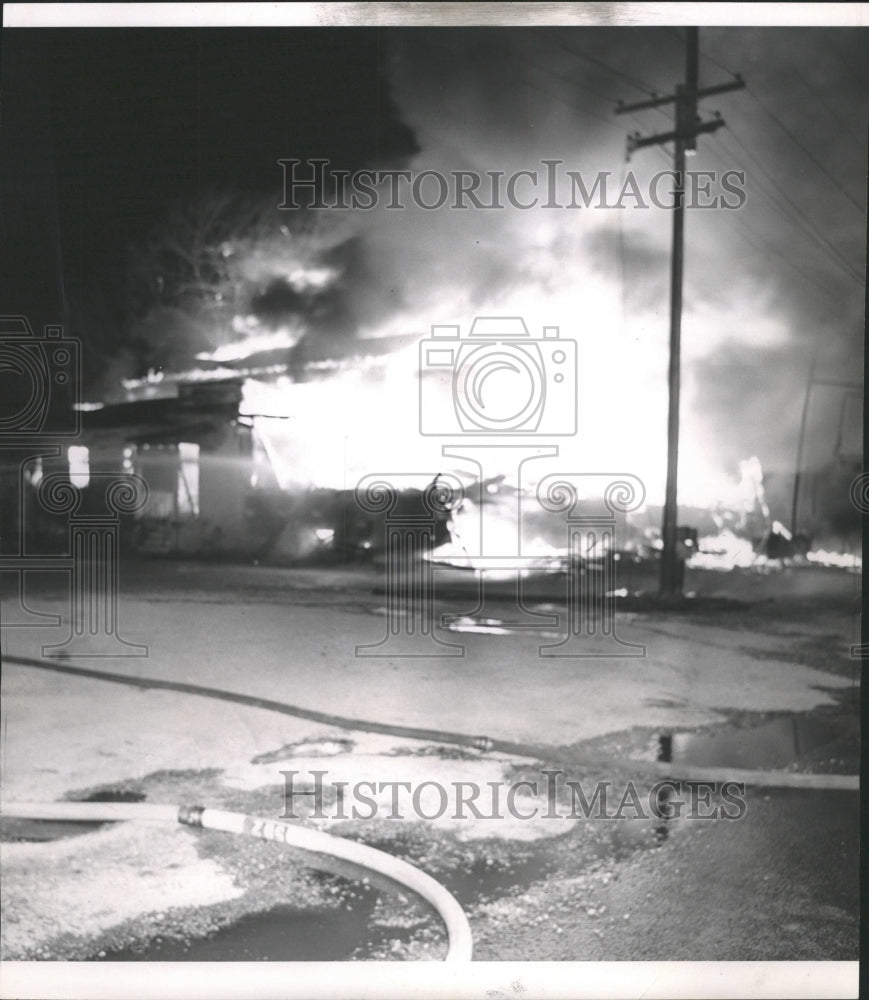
<point>365,916</point>
<point>485,879</point>
<point>306,748</point>
<point>23,829</point>
<point>370,911</point>
<point>496,626</point>
<point>15,830</point>
<point>444,751</point>
<point>114,795</point>
<point>486,872</point>
<point>373,919</point>
<point>833,739</point>
<point>368,917</point>
<point>480,626</point>
<point>281,934</point>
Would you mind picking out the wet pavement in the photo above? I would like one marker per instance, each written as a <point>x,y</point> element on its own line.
<point>735,687</point>
<point>781,882</point>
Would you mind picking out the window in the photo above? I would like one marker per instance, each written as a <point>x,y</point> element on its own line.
<point>79,466</point>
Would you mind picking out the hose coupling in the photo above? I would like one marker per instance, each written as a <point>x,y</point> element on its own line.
<point>191,815</point>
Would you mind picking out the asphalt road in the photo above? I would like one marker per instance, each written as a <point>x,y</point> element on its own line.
<point>779,883</point>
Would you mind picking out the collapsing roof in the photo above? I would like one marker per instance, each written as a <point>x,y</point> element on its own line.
<point>197,411</point>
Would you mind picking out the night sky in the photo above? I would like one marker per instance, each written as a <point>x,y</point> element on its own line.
<point>126,125</point>
<point>142,121</point>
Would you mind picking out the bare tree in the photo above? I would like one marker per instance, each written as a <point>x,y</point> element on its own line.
<point>196,273</point>
<point>190,261</point>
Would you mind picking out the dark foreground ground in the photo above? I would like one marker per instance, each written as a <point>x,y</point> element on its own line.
<point>760,678</point>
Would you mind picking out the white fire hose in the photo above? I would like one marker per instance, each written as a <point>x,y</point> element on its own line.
<point>460,942</point>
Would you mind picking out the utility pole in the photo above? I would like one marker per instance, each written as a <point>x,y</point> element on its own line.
<point>684,137</point>
<point>800,441</point>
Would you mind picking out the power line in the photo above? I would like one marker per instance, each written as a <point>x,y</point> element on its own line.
<point>805,150</point>
<point>807,225</point>
<point>844,63</point>
<point>795,214</point>
<point>571,104</point>
<point>842,60</point>
<point>788,131</point>
<point>632,80</point>
<point>715,62</point>
<point>707,56</point>
<point>531,64</point>
<point>571,80</point>
<point>807,229</point>
<point>821,243</point>
<point>831,111</point>
<point>766,248</point>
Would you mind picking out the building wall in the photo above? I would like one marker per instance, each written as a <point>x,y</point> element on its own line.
<point>225,469</point>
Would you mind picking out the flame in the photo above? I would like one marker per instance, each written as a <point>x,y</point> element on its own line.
<point>253,343</point>
<point>365,417</point>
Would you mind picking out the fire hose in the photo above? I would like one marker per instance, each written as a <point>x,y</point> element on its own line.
<point>460,942</point>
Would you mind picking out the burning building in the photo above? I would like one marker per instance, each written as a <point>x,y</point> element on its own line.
<point>222,449</point>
